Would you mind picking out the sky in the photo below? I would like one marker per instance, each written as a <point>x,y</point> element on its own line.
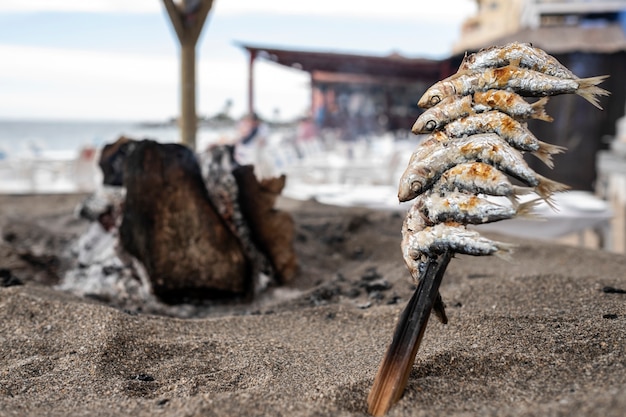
<point>119,59</point>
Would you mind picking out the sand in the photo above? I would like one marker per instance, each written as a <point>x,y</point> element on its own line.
<point>544,335</point>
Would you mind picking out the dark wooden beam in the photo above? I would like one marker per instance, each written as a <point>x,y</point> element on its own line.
<point>188,25</point>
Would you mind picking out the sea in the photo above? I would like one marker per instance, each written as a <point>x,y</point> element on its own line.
<point>23,138</point>
<point>52,157</point>
<point>43,156</point>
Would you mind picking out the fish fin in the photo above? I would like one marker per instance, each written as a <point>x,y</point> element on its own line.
<point>545,152</point>
<point>464,64</point>
<point>505,251</point>
<point>521,190</point>
<point>588,89</point>
<point>539,111</point>
<point>514,200</point>
<point>525,210</point>
<point>517,191</point>
<point>547,187</point>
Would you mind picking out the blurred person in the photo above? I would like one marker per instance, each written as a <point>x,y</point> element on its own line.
<point>306,136</point>
<point>85,168</point>
<point>251,146</point>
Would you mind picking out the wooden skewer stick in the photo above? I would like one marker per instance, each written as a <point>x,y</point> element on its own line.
<point>394,370</point>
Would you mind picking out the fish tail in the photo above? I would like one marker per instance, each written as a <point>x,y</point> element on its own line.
<point>539,111</point>
<point>545,152</point>
<point>517,191</point>
<point>547,187</point>
<point>589,90</point>
<point>521,190</point>
<point>514,200</point>
<point>525,210</point>
<point>504,251</point>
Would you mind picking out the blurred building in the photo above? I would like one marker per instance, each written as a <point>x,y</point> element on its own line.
<point>558,19</point>
<point>587,37</point>
<point>495,18</point>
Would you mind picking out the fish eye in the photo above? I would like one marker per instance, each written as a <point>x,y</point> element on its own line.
<point>430,125</point>
<point>435,100</point>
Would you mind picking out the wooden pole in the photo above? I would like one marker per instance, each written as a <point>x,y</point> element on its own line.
<point>251,82</point>
<point>188,18</point>
<point>188,119</point>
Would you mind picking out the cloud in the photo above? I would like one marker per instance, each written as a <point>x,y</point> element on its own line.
<point>52,64</point>
<point>90,6</point>
<point>441,10</point>
<point>78,84</point>
<point>81,84</point>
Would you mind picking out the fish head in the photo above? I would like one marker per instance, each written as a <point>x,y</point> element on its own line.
<point>405,189</point>
<point>432,96</point>
<point>426,123</point>
<point>414,182</point>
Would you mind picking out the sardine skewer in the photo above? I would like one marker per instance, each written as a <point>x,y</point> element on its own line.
<point>449,169</point>
<point>395,368</point>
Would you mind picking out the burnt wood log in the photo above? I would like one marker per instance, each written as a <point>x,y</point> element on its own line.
<point>272,230</point>
<point>171,226</point>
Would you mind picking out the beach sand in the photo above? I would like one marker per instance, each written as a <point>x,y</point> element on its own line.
<point>544,335</point>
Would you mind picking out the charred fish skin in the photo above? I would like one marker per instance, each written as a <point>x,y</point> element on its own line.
<point>466,208</point>
<point>478,178</point>
<point>510,103</point>
<point>519,54</point>
<point>505,126</point>
<point>450,236</point>
<point>523,81</point>
<point>512,131</point>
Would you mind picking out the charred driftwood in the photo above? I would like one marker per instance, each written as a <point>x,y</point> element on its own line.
<point>247,205</point>
<point>171,226</point>
<point>273,230</point>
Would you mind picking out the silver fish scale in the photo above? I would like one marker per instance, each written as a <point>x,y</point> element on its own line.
<point>494,121</point>
<point>461,207</point>
<point>535,84</point>
<point>434,240</point>
<point>528,57</point>
<point>462,177</point>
